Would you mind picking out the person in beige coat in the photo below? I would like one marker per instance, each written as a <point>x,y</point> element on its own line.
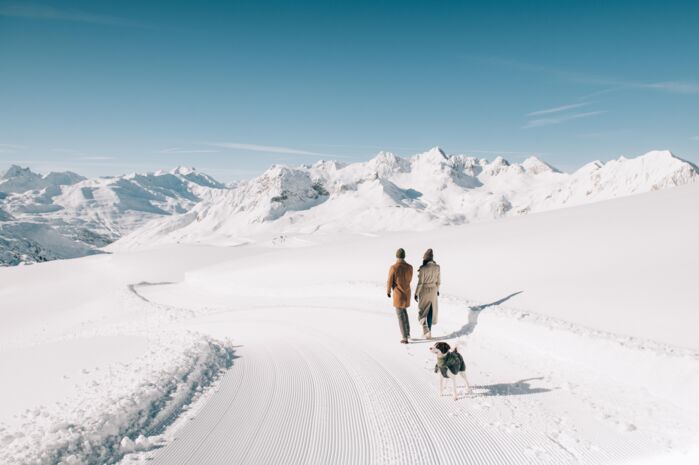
<point>399,276</point>
<point>427,292</point>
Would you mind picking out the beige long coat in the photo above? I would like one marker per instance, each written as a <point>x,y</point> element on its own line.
<point>428,282</point>
<point>399,276</point>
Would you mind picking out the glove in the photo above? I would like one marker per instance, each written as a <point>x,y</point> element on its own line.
<point>415,297</point>
<point>437,293</point>
<point>388,294</point>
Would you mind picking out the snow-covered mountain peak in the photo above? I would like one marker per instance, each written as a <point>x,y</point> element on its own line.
<point>18,175</point>
<point>183,170</point>
<point>387,164</point>
<point>659,154</point>
<point>328,165</point>
<point>659,159</point>
<point>389,193</point>
<point>17,180</point>
<point>435,154</point>
<point>63,178</point>
<point>499,165</point>
<point>277,190</point>
<point>535,165</point>
<point>590,167</point>
<point>664,157</point>
<point>499,161</point>
<point>15,171</point>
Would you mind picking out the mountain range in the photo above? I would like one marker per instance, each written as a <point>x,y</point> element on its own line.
<point>391,193</point>
<point>65,215</point>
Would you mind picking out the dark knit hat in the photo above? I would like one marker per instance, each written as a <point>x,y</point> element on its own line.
<point>429,255</point>
<point>400,253</point>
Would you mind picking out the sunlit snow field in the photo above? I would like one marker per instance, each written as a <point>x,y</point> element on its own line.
<point>578,327</point>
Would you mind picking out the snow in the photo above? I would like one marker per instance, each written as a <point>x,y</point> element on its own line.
<point>87,362</point>
<point>577,326</point>
<point>64,215</point>
<point>26,242</point>
<point>17,180</point>
<point>390,193</point>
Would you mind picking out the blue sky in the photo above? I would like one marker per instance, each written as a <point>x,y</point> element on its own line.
<point>233,87</point>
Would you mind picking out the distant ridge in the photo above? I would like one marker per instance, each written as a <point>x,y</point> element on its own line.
<point>391,193</point>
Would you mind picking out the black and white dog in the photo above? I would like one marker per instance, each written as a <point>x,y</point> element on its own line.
<point>450,364</point>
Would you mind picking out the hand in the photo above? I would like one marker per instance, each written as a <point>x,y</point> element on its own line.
<point>437,293</point>
<point>415,297</point>
<point>388,294</point>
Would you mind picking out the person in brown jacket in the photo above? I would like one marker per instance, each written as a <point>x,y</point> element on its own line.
<point>399,277</point>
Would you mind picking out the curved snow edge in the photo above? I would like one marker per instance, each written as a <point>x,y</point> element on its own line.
<point>131,423</point>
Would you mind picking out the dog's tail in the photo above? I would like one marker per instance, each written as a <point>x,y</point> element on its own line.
<point>455,348</point>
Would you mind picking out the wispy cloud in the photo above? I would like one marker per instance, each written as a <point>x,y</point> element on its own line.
<point>96,158</point>
<point>372,147</point>
<point>612,133</point>
<point>78,155</point>
<point>46,12</point>
<point>179,150</point>
<point>612,84</point>
<point>268,149</point>
<point>677,87</point>
<point>548,111</point>
<point>560,119</point>
<point>694,138</point>
<point>11,148</point>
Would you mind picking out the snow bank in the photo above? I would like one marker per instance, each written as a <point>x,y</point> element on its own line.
<point>86,363</point>
<point>119,409</point>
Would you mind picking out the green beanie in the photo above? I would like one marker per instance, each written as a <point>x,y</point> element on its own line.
<point>400,253</point>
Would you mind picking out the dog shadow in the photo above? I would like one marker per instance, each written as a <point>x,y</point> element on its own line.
<point>473,314</point>
<point>518,388</point>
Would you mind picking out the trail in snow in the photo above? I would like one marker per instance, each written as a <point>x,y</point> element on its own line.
<point>330,384</point>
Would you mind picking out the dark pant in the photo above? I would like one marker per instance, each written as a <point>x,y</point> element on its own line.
<point>429,318</point>
<point>403,323</point>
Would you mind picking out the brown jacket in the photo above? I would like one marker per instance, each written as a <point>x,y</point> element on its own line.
<point>399,277</point>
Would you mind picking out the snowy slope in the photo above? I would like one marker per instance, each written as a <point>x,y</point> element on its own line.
<point>390,193</point>
<point>23,242</point>
<point>86,363</point>
<point>63,215</point>
<point>595,361</point>
<point>581,339</point>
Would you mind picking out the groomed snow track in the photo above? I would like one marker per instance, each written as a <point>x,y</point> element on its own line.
<point>301,392</point>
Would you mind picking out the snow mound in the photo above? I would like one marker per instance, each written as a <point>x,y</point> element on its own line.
<point>390,193</point>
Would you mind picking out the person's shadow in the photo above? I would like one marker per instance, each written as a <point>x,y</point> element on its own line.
<point>473,313</point>
<point>518,388</point>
